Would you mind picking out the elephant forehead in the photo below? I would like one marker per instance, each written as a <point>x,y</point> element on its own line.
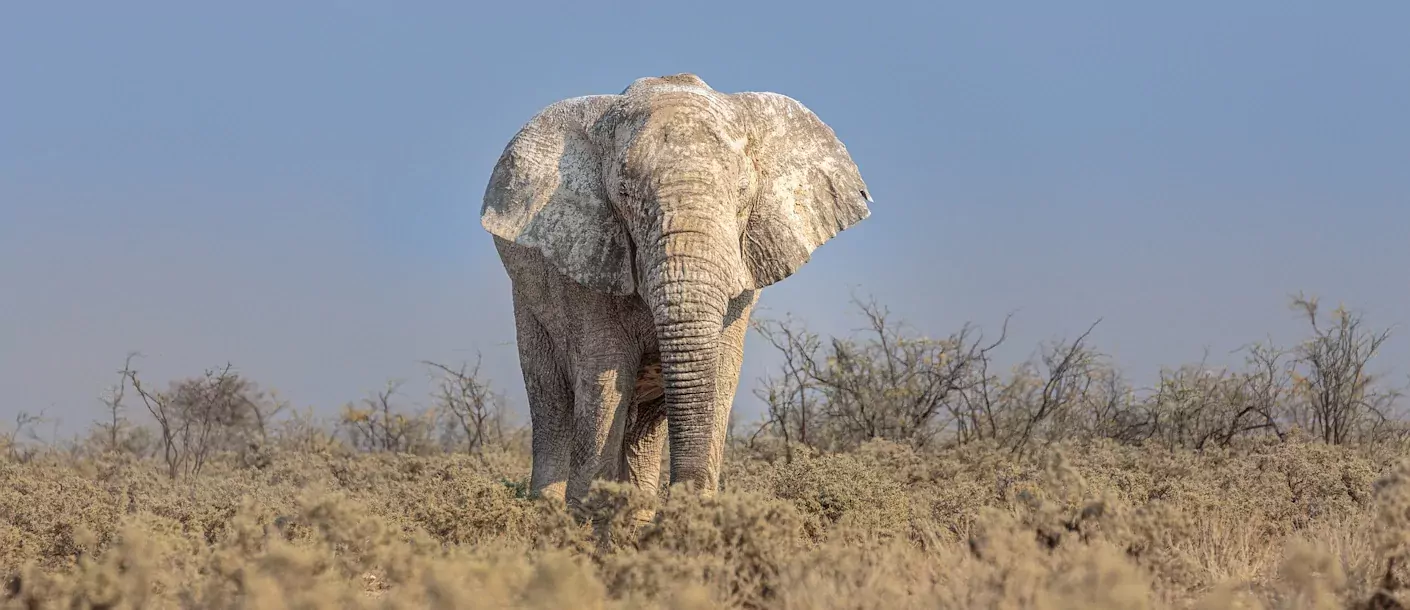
<point>691,125</point>
<point>675,127</point>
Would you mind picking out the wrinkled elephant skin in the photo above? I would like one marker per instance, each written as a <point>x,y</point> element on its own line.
<point>637,230</point>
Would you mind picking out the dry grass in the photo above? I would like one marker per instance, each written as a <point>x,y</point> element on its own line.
<point>1095,525</point>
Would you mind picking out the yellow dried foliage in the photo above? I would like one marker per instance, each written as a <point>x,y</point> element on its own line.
<point>1081,525</point>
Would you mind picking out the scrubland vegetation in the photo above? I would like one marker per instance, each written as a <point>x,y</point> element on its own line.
<point>891,470</point>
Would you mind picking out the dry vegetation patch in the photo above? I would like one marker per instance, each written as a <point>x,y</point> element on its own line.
<point>1294,524</point>
<point>890,471</point>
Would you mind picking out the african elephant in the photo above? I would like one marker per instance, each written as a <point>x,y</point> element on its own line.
<point>637,230</point>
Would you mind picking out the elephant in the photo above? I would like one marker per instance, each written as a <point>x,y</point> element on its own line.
<point>637,230</point>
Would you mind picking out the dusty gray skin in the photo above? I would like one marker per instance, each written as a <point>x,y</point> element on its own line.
<point>637,230</point>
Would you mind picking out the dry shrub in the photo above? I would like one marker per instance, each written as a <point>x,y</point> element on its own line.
<point>1257,524</point>
<point>463,508</point>
<point>840,494</point>
<point>732,544</point>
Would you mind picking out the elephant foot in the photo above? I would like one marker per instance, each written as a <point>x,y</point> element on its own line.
<point>556,491</point>
<point>643,516</point>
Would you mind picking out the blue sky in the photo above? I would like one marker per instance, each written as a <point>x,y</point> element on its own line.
<point>295,187</point>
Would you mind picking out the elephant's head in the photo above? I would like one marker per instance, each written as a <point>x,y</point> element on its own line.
<point>685,196</point>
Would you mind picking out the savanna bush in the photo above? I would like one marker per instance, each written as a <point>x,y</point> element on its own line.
<point>1095,524</point>
<point>891,471</point>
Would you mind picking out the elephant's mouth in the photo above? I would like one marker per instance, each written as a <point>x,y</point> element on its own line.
<point>649,384</point>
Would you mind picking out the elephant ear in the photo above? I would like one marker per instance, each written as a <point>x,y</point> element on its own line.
<point>547,192</point>
<point>807,190</point>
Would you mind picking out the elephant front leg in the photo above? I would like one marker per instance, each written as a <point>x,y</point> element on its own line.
<point>603,394</point>
<point>550,407</point>
<point>642,446</point>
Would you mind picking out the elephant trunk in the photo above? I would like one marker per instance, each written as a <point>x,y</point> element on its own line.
<point>688,291</point>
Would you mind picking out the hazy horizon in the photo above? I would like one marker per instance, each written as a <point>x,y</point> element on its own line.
<point>297,192</point>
